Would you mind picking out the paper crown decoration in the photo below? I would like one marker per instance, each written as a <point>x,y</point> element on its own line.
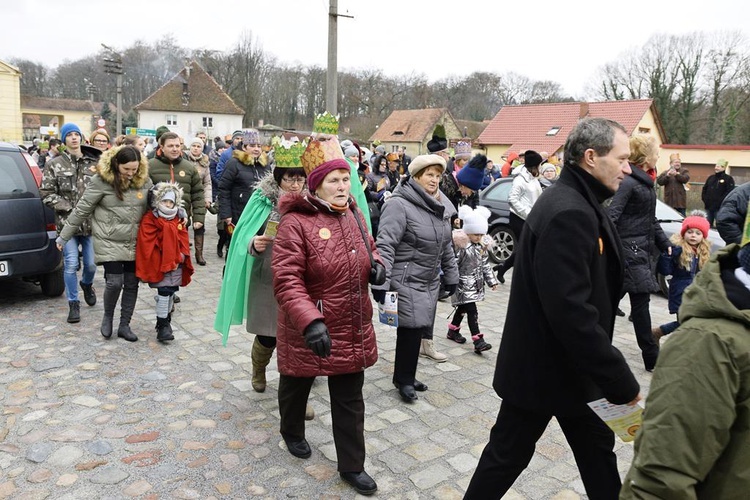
<point>326,123</point>
<point>674,156</point>
<point>392,157</point>
<point>251,136</point>
<point>319,152</point>
<point>288,154</point>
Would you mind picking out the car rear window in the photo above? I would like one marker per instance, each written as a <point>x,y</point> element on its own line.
<point>16,180</point>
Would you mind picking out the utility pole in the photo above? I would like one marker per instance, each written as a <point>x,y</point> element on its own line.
<point>113,66</point>
<point>332,73</point>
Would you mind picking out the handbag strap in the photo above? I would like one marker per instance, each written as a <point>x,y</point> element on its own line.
<point>364,235</point>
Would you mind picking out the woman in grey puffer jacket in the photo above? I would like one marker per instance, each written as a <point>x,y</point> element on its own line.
<point>115,200</point>
<point>414,241</point>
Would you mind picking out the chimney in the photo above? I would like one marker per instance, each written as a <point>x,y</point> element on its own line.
<point>584,110</point>
<point>187,68</point>
<point>260,123</point>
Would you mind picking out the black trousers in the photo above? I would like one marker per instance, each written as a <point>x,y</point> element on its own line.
<point>511,447</point>
<point>347,415</point>
<point>642,325</point>
<point>470,310</point>
<point>408,342</point>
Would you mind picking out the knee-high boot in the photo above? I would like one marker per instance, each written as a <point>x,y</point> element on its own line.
<point>112,290</point>
<point>129,298</point>
<point>199,250</point>
<point>260,357</point>
<point>222,242</point>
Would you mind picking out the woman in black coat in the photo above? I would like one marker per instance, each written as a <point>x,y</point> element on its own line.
<point>633,211</point>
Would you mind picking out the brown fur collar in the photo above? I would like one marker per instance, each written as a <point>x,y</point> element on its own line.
<point>104,169</point>
<point>246,159</point>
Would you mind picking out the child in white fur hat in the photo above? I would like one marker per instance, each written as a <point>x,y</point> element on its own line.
<point>474,271</point>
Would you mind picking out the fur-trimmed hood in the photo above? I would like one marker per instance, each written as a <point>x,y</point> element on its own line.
<point>104,168</point>
<point>247,159</point>
<point>269,188</point>
<point>158,191</point>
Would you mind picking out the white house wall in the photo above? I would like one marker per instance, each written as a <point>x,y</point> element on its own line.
<point>188,124</point>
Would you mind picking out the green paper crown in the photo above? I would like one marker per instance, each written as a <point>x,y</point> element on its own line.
<point>289,156</point>
<point>326,123</point>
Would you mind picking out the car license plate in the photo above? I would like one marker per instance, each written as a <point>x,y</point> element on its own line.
<point>4,268</point>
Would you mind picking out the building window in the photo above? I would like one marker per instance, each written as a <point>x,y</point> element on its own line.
<point>643,130</point>
<point>171,119</point>
<point>553,131</point>
<point>208,122</point>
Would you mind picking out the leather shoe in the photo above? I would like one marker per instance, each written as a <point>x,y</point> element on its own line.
<point>299,449</point>
<point>407,393</point>
<point>360,481</point>
<point>418,386</point>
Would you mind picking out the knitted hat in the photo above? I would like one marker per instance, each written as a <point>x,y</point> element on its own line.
<point>161,131</point>
<point>250,136</point>
<point>166,191</point>
<point>696,220</point>
<point>237,133</point>
<point>345,144</point>
<point>68,128</point>
<point>169,195</point>
<point>351,151</point>
<point>438,141</point>
<point>423,161</point>
<point>475,220</point>
<point>463,150</point>
<point>721,162</point>
<point>320,158</point>
<point>197,140</point>
<point>472,174</point>
<point>380,150</point>
<point>532,159</point>
<point>220,145</point>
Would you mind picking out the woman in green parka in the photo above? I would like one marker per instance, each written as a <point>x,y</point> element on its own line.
<point>115,201</point>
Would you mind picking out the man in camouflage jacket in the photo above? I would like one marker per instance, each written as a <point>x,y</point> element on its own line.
<point>65,179</point>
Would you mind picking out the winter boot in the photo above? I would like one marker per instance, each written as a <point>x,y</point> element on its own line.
<point>127,306</point>
<point>309,412</point>
<point>222,243</point>
<point>658,333</point>
<point>199,250</point>
<point>163,330</point>
<point>454,334</point>
<point>74,313</point>
<point>89,294</point>
<point>260,356</point>
<point>500,270</point>
<point>480,344</point>
<point>428,351</point>
<point>112,290</point>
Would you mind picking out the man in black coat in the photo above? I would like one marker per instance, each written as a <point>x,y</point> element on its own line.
<point>716,188</point>
<point>556,354</point>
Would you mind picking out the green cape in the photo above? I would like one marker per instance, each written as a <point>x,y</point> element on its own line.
<point>358,193</point>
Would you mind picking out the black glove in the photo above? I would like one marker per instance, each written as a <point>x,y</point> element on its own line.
<point>377,274</point>
<point>318,339</point>
<point>379,296</point>
<point>450,289</point>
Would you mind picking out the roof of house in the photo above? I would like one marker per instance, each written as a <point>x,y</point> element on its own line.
<point>471,128</point>
<point>409,125</point>
<point>9,68</point>
<point>532,126</point>
<point>53,104</point>
<point>204,94</point>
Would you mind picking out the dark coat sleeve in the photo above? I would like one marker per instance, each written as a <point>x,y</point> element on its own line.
<point>731,217</point>
<point>619,200</point>
<point>225,189</point>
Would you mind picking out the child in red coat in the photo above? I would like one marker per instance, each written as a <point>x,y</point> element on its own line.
<point>163,252</point>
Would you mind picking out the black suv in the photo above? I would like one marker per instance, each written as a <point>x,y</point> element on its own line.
<point>27,231</point>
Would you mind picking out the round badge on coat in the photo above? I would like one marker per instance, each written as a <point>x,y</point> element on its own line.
<point>182,173</point>
<point>324,233</point>
<point>179,227</point>
<point>139,195</point>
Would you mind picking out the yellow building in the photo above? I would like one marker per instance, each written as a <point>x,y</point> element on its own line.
<point>10,104</point>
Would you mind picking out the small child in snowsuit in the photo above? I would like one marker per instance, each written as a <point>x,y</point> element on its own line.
<point>163,252</point>
<point>690,253</point>
<point>474,271</point>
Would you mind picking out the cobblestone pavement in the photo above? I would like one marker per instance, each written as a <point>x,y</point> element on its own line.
<point>85,417</point>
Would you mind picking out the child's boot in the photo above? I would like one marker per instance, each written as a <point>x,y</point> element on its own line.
<point>163,319</point>
<point>454,334</point>
<point>480,344</point>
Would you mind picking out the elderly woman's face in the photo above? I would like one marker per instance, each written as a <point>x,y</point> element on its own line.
<point>430,179</point>
<point>335,188</point>
<point>549,173</point>
<point>196,149</point>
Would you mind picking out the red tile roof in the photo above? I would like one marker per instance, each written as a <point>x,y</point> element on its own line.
<point>409,125</point>
<point>206,95</point>
<point>52,104</point>
<point>526,126</point>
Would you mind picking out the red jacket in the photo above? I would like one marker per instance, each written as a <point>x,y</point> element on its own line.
<point>321,269</point>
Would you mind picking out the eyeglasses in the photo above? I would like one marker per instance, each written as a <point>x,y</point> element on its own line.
<point>293,180</point>
<point>101,141</point>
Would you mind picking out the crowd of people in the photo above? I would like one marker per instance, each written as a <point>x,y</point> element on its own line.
<point>312,228</point>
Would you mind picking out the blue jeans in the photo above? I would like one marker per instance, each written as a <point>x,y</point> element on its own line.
<point>70,260</point>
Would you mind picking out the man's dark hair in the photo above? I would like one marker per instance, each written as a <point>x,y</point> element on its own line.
<point>591,133</point>
<point>54,142</point>
<point>166,136</point>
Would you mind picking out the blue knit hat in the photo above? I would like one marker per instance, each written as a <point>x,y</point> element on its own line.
<point>68,128</point>
<point>473,172</point>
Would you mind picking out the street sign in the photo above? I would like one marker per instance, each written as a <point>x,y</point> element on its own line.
<point>101,123</point>
<point>143,132</point>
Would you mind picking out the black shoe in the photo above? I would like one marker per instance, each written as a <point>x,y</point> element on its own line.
<point>418,386</point>
<point>74,315</point>
<point>126,333</point>
<point>407,393</point>
<point>620,312</point>
<point>456,336</point>
<point>360,481</point>
<point>163,330</point>
<point>176,299</point>
<point>481,345</point>
<point>89,294</point>
<point>299,449</point>
<point>106,328</point>
<point>500,272</point>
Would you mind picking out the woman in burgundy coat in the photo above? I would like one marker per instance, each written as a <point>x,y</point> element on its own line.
<point>321,267</point>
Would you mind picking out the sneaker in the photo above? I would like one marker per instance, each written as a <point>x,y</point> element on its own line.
<point>74,315</point>
<point>481,345</point>
<point>456,336</point>
<point>89,294</point>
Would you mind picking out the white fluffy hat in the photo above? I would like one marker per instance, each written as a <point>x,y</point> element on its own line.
<point>475,220</point>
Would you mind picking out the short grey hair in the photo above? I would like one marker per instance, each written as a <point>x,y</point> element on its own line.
<point>591,133</point>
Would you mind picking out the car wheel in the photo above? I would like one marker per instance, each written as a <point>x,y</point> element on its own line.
<point>663,284</point>
<point>53,284</point>
<point>503,244</point>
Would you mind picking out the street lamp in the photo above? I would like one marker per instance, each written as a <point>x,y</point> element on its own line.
<point>113,66</point>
